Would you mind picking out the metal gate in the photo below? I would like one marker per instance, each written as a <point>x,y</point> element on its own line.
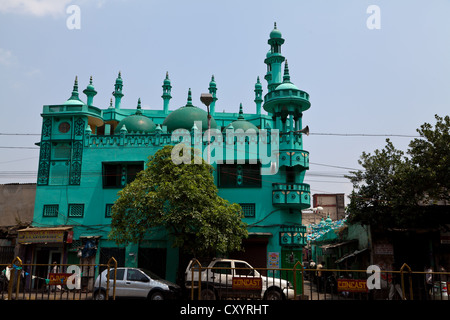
<point>19,281</point>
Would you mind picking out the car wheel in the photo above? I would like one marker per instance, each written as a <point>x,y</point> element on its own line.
<point>273,295</point>
<point>157,296</point>
<point>100,295</point>
<point>208,294</point>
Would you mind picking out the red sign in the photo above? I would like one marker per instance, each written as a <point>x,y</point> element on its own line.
<point>58,278</point>
<point>351,285</point>
<point>243,283</point>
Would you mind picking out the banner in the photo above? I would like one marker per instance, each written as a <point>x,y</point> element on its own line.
<point>58,278</point>
<point>351,285</point>
<point>244,283</point>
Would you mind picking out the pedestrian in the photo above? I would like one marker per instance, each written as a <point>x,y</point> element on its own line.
<point>312,267</point>
<point>320,276</point>
<point>429,281</point>
<point>395,284</point>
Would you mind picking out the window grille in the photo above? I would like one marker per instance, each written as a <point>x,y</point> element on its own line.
<point>108,210</point>
<point>50,210</point>
<point>248,209</point>
<point>76,210</point>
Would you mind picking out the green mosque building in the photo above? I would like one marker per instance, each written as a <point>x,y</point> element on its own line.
<point>89,153</point>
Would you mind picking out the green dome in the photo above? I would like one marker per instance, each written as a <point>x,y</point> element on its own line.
<point>275,34</point>
<point>241,123</point>
<point>136,123</point>
<point>184,117</point>
<point>287,86</point>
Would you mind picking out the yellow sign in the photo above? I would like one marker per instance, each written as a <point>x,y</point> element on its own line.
<point>352,285</point>
<point>41,236</point>
<point>243,283</point>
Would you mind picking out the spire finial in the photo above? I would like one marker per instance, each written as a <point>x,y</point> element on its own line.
<point>286,76</point>
<point>138,111</point>
<point>167,74</point>
<point>90,80</point>
<point>274,25</point>
<point>241,112</point>
<point>189,99</point>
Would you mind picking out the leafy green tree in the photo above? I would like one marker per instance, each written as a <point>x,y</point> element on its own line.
<point>182,199</point>
<point>392,187</point>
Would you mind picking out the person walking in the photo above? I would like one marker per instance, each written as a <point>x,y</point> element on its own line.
<point>395,284</point>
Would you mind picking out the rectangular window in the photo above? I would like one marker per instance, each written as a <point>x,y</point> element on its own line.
<point>50,210</point>
<point>76,210</point>
<point>108,210</point>
<point>239,175</point>
<point>248,209</point>
<point>117,175</point>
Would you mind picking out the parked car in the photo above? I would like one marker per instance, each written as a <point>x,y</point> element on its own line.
<point>135,283</point>
<point>229,278</point>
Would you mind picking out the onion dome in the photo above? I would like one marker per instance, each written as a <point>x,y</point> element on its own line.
<point>241,123</point>
<point>184,117</point>
<point>136,123</point>
<point>275,34</point>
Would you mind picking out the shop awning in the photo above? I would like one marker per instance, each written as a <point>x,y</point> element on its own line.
<point>45,235</point>
<point>353,254</point>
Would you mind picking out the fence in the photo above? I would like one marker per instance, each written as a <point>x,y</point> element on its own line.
<point>19,281</point>
<point>316,284</point>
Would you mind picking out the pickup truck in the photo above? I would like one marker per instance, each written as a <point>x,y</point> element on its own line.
<point>229,278</point>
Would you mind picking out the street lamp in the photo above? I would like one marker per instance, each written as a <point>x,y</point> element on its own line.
<point>207,99</point>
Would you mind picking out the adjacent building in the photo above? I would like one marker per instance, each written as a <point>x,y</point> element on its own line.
<point>90,152</point>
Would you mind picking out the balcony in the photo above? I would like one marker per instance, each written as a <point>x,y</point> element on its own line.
<point>291,195</point>
<point>292,236</point>
<point>292,158</point>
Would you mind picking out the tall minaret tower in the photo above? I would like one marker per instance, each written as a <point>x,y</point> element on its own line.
<point>213,90</point>
<point>274,59</point>
<point>258,96</point>
<point>118,91</point>
<point>167,87</point>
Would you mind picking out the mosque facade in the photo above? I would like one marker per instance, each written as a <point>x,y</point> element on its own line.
<point>89,153</point>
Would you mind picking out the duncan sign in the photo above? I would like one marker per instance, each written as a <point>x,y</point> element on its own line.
<point>351,285</point>
<point>242,283</point>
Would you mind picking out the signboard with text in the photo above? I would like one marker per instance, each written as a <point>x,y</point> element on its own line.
<point>352,285</point>
<point>245,283</point>
<point>58,278</point>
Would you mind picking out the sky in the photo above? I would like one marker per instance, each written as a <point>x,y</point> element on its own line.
<point>365,84</point>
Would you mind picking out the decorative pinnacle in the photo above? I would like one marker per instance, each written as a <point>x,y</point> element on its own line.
<point>138,111</point>
<point>286,76</point>
<point>189,99</point>
<point>90,80</point>
<point>274,25</point>
<point>241,112</point>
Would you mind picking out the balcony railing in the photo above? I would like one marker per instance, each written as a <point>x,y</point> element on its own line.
<point>296,195</point>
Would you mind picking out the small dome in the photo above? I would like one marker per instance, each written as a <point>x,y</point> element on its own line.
<point>275,34</point>
<point>286,86</point>
<point>185,117</point>
<point>241,123</point>
<point>136,123</point>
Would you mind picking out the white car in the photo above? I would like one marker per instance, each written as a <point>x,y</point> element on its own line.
<point>229,278</point>
<point>135,283</point>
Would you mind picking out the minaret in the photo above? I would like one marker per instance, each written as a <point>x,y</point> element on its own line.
<point>258,96</point>
<point>118,91</point>
<point>274,59</point>
<point>167,87</point>
<point>90,92</point>
<point>213,90</point>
